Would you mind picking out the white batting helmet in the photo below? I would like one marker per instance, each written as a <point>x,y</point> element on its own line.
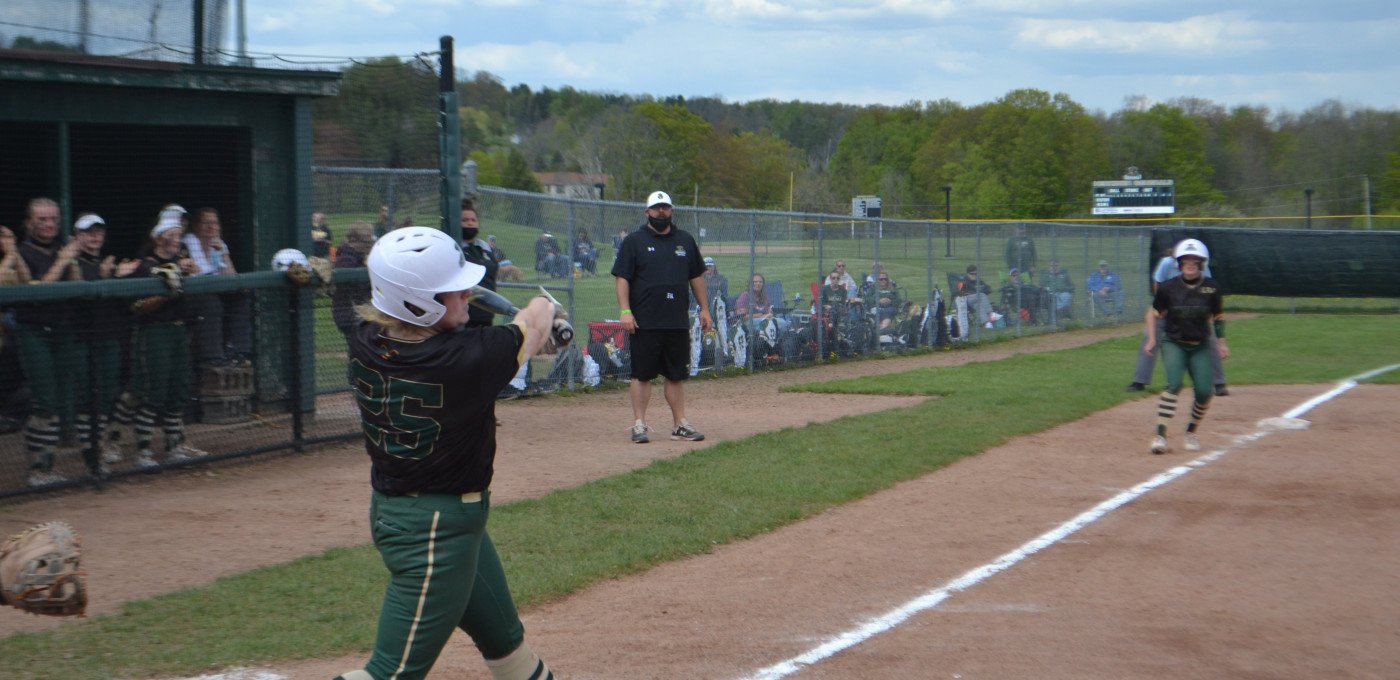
<point>408,266</point>
<point>1191,247</point>
<point>283,259</point>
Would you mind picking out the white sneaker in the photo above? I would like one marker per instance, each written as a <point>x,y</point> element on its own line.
<point>146,458</point>
<point>1159,444</point>
<point>44,478</point>
<point>183,453</point>
<point>111,452</point>
<point>1193,443</point>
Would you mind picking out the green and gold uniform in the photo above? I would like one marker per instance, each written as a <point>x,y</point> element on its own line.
<point>1190,309</point>
<point>96,360</point>
<point>427,410</point>
<point>43,333</point>
<point>162,354</point>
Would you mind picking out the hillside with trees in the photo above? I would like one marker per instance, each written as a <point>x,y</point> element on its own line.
<point>1030,154</point>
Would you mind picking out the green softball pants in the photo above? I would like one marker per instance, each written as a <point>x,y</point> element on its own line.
<point>46,355</point>
<point>444,574</point>
<point>96,374</point>
<point>1179,359</point>
<point>164,352</point>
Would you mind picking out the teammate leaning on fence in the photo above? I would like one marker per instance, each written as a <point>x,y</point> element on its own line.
<point>44,335</point>
<point>1194,310</point>
<point>426,387</point>
<point>96,362</point>
<point>162,348</point>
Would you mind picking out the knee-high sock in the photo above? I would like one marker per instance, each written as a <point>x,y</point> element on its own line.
<point>1166,408</point>
<point>174,425</point>
<point>521,664</point>
<point>1198,412</point>
<point>40,438</point>
<point>125,416</point>
<point>145,427</point>
<point>83,428</point>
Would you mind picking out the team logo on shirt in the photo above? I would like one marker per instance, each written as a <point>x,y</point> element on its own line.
<point>651,249</point>
<point>680,251</point>
<point>1208,290</point>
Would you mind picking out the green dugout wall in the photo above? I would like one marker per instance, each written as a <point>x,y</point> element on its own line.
<point>123,137</point>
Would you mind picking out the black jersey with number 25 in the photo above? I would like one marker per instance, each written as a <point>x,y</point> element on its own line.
<point>427,407</point>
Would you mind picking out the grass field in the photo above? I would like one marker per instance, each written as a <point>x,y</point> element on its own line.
<point>327,605</point>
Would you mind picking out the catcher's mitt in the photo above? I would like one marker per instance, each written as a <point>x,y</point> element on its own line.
<point>41,571</point>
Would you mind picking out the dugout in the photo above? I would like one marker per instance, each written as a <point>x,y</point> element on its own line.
<point>124,137</point>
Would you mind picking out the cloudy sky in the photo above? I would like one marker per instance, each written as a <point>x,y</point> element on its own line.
<point>1283,54</point>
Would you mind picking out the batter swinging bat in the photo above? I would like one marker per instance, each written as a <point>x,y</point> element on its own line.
<point>495,303</point>
<point>492,301</point>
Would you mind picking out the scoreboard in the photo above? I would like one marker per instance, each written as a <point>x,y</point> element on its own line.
<point>865,206</point>
<point>1134,197</point>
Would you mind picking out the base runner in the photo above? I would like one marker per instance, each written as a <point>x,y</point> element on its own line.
<point>1194,311</point>
<point>425,387</point>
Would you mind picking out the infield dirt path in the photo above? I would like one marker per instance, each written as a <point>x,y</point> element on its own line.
<point>1275,561</point>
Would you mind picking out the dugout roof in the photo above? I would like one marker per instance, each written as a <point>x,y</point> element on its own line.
<point>123,137</point>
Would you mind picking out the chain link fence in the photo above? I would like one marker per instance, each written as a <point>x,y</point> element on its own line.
<point>91,389</point>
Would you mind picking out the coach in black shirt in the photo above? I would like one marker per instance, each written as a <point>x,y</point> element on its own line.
<point>658,266</point>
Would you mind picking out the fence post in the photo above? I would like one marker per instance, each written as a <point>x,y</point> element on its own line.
<point>819,327</point>
<point>928,275</point>
<point>297,388</point>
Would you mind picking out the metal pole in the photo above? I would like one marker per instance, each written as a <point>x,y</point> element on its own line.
<point>297,388</point>
<point>198,31</point>
<point>748,286</point>
<point>1366,187</point>
<point>948,218</point>
<point>449,140</point>
<point>928,271</point>
<point>1307,202</point>
<point>819,325</point>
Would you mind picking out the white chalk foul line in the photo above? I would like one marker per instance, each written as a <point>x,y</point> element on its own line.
<point>934,597</point>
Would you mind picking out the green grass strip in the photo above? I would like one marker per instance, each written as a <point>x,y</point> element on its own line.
<point>327,605</point>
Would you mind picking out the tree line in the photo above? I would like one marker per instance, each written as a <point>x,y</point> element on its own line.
<point>1030,154</point>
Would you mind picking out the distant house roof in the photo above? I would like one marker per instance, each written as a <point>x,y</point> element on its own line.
<point>572,184</point>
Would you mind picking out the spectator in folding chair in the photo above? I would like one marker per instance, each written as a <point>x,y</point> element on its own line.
<point>548,258</point>
<point>1061,289</point>
<point>976,292</point>
<point>1106,288</point>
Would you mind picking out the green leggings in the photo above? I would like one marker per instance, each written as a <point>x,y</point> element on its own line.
<point>444,574</point>
<point>47,358</point>
<point>1179,359</point>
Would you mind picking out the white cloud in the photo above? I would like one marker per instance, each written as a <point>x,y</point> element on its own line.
<point>1211,34</point>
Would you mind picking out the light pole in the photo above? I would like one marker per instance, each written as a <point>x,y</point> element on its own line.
<point>948,218</point>
<point>1307,196</point>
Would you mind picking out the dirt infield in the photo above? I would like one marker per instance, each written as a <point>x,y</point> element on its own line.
<point>1277,560</point>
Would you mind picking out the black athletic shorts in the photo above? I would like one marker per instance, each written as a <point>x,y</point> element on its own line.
<point>665,353</point>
